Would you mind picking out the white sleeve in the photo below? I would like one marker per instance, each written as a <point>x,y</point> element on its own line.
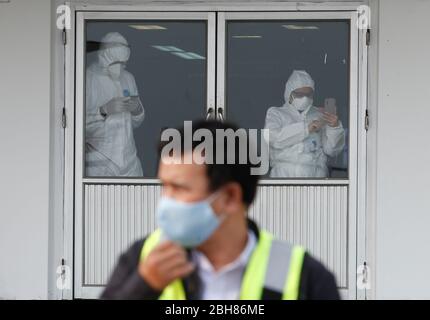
<point>282,135</point>
<point>136,119</point>
<point>333,140</point>
<point>94,120</point>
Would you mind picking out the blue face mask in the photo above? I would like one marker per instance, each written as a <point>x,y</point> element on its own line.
<point>189,224</point>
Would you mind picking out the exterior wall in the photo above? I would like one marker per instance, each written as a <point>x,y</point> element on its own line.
<point>403,152</point>
<point>25,86</point>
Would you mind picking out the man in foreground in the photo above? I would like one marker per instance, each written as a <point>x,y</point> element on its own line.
<point>206,247</point>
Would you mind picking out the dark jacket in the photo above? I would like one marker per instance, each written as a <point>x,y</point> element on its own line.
<point>316,283</point>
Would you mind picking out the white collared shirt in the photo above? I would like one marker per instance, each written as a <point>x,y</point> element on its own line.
<point>224,284</point>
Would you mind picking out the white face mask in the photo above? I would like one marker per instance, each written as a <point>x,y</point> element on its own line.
<point>115,70</point>
<point>189,224</point>
<point>301,104</point>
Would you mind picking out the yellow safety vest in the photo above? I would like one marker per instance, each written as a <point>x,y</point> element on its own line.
<point>274,265</point>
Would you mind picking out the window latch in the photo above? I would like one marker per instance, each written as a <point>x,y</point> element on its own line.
<point>367,120</point>
<point>64,119</point>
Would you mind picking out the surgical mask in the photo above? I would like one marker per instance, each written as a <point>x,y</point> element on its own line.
<point>189,224</point>
<point>301,104</point>
<point>115,69</point>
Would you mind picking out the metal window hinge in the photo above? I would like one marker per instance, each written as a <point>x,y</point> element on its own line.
<point>64,119</point>
<point>63,270</point>
<point>367,120</point>
<point>365,273</point>
<point>64,36</point>
<point>368,37</point>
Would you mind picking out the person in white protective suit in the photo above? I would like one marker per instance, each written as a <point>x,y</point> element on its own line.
<point>113,111</point>
<point>301,136</point>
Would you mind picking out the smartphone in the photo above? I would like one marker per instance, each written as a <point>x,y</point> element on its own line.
<point>330,105</point>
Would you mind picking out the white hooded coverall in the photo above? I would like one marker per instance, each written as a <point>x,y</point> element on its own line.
<point>294,152</point>
<point>110,145</point>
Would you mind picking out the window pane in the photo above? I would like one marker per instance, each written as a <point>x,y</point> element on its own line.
<point>142,76</point>
<point>314,55</point>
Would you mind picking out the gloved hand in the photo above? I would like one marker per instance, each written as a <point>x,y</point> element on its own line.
<point>116,105</point>
<point>315,126</point>
<point>331,119</point>
<point>134,106</point>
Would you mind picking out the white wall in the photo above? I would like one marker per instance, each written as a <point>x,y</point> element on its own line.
<point>403,152</point>
<point>25,33</point>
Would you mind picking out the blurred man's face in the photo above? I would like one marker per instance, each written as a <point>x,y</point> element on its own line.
<point>184,182</point>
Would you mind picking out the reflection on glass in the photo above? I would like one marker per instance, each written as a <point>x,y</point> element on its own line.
<point>302,137</point>
<point>113,111</point>
<point>261,56</point>
<point>142,76</point>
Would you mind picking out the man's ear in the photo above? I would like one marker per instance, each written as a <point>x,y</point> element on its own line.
<point>232,198</point>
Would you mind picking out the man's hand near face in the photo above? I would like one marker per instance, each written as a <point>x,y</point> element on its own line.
<point>166,263</point>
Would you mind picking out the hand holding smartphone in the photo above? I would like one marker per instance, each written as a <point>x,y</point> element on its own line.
<point>330,106</point>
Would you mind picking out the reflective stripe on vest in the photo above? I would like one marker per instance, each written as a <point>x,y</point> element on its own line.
<point>274,264</point>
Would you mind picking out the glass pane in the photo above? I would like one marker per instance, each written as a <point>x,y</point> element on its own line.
<point>142,76</point>
<point>314,56</point>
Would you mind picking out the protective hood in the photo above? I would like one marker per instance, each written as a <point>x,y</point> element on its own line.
<point>114,48</point>
<point>298,79</point>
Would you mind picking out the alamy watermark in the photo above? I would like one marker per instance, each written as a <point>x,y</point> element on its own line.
<point>363,277</point>
<point>230,146</point>
<point>64,17</point>
<point>64,279</point>
<point>364,17</point>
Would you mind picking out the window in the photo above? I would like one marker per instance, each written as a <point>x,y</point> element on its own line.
<point>260,58</point>
<point>141,76</point>
<point>146,75</point>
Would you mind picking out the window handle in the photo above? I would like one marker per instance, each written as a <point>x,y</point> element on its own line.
<point>221,114</point>
<point>209,113</point>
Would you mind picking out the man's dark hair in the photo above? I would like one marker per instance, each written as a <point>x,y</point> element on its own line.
<point>221,174</point>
